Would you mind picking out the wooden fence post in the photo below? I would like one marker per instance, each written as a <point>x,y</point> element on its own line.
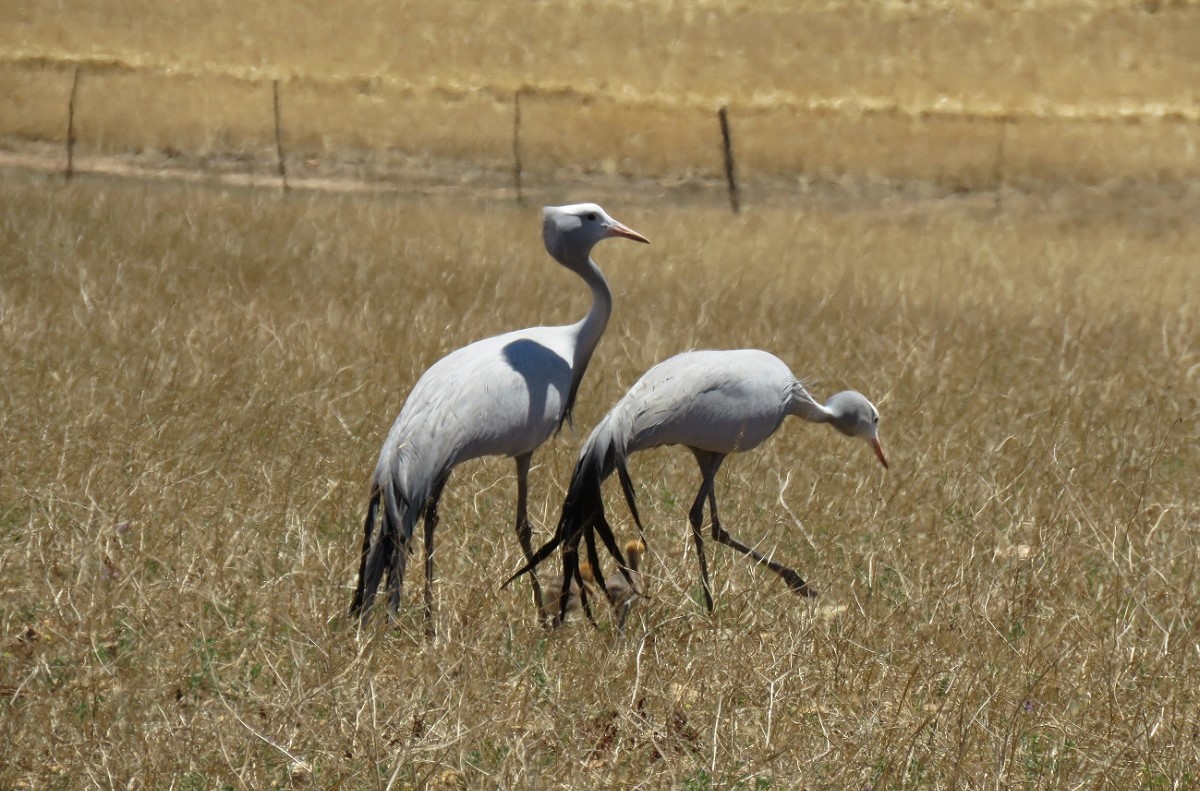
<point>516,146</point>
<point>71,124</point>
<point>998,176</point>
<point>279,136</point>
<point>730,171</point>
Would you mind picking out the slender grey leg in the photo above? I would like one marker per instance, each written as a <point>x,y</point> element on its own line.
<point>719,533</point>
<point>696,518</point>
<point>524,531</point>
<point>709,464</point>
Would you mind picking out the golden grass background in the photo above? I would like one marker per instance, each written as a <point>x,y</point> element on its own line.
<point>197,381</point>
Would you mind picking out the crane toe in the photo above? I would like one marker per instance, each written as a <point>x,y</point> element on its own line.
<point>796,583</point>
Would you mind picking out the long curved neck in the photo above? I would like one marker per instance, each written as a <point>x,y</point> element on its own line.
<point>801,404</point>
<point>589,330</point>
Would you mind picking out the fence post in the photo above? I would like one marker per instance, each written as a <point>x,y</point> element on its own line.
<point>279,136</point>
<point>998,176</point>
<point>71,124</point>
<point>730,171</point>
<point>516,146</point>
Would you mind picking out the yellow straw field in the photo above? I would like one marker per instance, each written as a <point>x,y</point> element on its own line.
<point>197,383</point>
<point>982,218</point>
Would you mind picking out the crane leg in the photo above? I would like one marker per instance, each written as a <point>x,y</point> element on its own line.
<point>524,531</point>
<point>696,518</point>
<point>793,580</point>
<point>709,464</point>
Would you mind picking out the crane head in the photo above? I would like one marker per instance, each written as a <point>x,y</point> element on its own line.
<point>571,231</point>
<point>853,415</point>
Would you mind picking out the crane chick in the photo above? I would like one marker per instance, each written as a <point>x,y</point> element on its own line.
<point>623,592</point>
<point>551,609</point>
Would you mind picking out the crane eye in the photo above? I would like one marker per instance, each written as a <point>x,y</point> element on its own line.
<point>877,420</point>
<point>591,216</point>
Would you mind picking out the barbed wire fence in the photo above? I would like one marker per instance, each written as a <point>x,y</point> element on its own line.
<point>1003,118</point>
<point>283,178</point>
<point>71,123</point>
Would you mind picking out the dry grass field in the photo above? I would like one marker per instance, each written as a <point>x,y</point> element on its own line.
<point>197,382</point>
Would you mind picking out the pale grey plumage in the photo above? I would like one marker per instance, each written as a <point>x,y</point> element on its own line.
<point>501,396</point>
<point>715,403</point>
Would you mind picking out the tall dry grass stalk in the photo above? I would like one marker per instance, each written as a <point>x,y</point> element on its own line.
<point>196,383</point>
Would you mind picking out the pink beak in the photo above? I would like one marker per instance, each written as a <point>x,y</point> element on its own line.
<point>617,229</point>
<point>878,446</point>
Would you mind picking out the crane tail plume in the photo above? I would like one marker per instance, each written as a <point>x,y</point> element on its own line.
<point>384,548</point>
<point>562,536</point>
<point>356,605</point>
<point>627,490</point>
<point>600,525</point>
<point>593,558</point>
<point>584,499</point>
